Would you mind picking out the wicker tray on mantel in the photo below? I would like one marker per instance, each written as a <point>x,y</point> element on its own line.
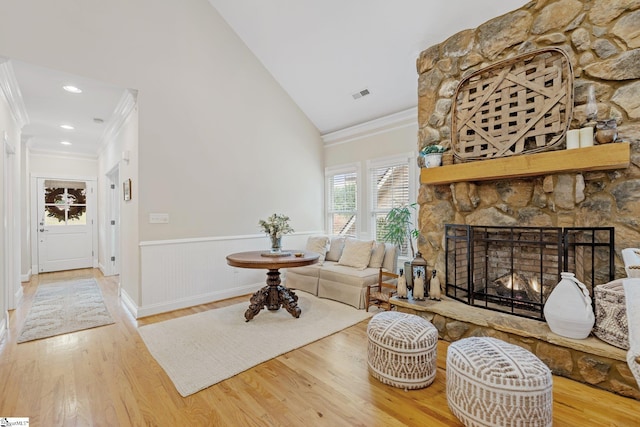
<point>516,106</point>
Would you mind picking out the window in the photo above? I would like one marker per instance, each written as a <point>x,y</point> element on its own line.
<point>390,187</point>
<point>342,206</point>
<point>65,203</point>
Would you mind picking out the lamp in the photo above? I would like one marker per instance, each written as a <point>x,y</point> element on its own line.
<point>418,264</point>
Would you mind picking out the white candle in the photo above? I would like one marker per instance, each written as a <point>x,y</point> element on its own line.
<point>586,137</point>
<point>573,139</point>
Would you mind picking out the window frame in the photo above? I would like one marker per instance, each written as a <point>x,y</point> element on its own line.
<point>408,159</point>
<point>330,173</point>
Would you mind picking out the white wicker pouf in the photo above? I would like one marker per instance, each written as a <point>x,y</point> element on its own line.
<point>494,383</point>
<point>611,324</point>
<point>402,350</point>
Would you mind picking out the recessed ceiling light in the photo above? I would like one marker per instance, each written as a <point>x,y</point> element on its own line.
<point>65,143</point>
<point>72,89</point>
<point>67,127</point>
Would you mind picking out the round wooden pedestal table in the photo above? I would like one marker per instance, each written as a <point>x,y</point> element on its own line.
<point>274,295</point>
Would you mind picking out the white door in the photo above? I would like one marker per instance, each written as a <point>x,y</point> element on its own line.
<point>65,224</point>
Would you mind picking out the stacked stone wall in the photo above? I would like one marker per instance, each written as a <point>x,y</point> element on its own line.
<point>602,40</point>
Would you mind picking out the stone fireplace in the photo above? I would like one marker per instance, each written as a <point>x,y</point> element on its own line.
<point>592,187</point>
<point>601,41</point>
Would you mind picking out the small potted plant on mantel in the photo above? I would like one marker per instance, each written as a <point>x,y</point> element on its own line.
<point>432,155</point>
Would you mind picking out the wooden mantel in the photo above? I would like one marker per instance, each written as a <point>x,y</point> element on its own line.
<point>598,157</point>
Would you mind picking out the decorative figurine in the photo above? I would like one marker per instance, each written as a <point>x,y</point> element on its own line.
<point>418,287</point>
<point>434,287</point>
<point>401,291</point>
<point>606,131</point>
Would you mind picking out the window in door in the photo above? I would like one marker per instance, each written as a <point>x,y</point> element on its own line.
<point>65,203</point>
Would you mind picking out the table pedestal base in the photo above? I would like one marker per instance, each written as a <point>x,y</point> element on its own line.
<point>273,296</point>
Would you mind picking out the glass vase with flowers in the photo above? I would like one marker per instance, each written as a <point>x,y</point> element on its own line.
<point>276,226</point>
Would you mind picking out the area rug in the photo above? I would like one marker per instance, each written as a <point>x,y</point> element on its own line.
<point>202,349</point>
<point>63,307</point>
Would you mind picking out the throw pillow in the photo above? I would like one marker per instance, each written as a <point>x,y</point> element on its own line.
<point>335,248</point>
<point>377,255</point>
<point>356,253</point>
<point>319,245</point>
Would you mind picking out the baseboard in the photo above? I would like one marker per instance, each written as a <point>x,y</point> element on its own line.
<point>17,298</point>
<point>3,327</point>
<point>26,277</point>
<point>129,304</point>
<point>150,310</point>
<point>102,269</point>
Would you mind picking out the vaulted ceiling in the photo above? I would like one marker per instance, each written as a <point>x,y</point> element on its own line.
<point>324,52</point>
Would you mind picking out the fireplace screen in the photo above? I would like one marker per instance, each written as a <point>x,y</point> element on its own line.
<point>514,269</point>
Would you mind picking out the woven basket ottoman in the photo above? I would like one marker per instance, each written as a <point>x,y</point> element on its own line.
<point>611,324</point>
<point>494,383</point>
<point>402,350</point>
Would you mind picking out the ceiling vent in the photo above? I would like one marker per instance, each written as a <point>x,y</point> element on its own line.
<point>363,92</point>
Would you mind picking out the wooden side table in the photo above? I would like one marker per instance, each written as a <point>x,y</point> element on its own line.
<point>274,295</point>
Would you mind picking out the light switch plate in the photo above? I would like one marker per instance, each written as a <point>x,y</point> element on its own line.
<point>158,218</point>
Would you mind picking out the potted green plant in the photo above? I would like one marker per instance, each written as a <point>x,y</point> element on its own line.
<point>432,155</point>
<point>400,230</point>
<point>399,227</point>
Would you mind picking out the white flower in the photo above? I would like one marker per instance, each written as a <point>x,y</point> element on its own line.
<point>276,225</point>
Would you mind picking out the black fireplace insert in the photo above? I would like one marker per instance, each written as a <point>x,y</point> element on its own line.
<point>514,269</point>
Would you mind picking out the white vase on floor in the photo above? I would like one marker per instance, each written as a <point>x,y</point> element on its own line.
<point>568,309</point>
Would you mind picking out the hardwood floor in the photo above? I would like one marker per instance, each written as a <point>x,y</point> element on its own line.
<point>106,377</point>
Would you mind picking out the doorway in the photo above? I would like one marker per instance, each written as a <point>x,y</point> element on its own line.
<point>65,223</point>
<point>112,261</point>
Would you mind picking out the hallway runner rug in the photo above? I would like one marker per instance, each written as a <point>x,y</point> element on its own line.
<point>200,350</point>
<point>63,307</point>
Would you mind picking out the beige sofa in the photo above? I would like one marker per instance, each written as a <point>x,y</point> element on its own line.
<point>344,270</point>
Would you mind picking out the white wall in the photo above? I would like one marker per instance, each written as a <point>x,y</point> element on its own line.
<point>376,145</point>
<point>6,122</point>
<point>221,145</point>
<point>55,165</point>
<point>10,289</point>
<point>126,139</point>
<point>25,209</point>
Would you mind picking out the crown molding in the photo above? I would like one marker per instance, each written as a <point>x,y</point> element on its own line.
<point>388,123</point>
<point>11,90</point>
<point>119,116</point>
<point>59,155</point>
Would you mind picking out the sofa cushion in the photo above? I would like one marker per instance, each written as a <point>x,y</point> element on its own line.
<point>356,253</point>
<point>303,282</point>
<point>319,245</point>
<point>349,276</point>
<point>390,262</point>
<point>336,245</point>
<point>312,270</point>
<point>377,255</point>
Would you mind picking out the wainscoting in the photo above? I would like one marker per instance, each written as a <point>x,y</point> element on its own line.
<point>186,272</point>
